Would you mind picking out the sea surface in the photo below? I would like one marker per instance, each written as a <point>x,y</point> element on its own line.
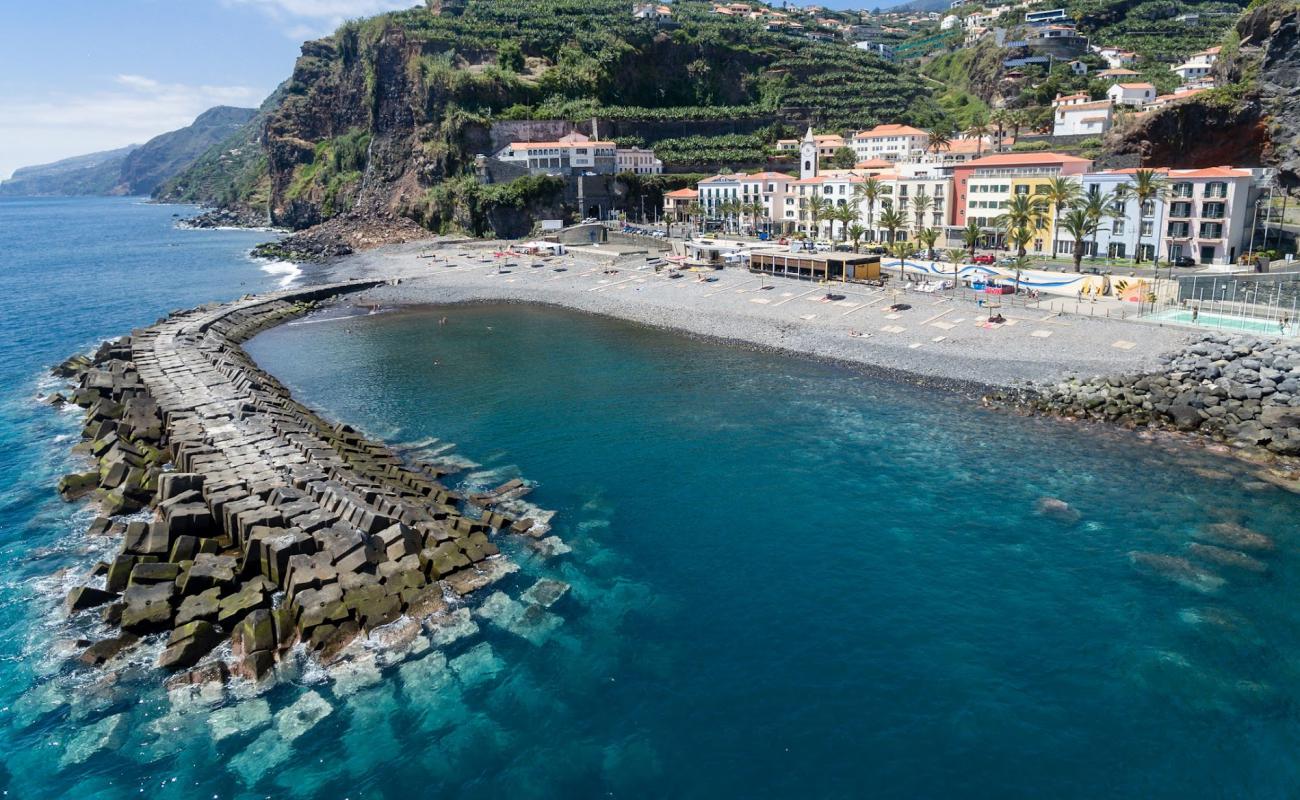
<point>788,579</point>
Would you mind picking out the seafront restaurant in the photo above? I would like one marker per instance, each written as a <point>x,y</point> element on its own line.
<point>818,266</point>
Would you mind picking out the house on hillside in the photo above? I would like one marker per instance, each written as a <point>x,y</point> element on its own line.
<point>1083,118</point>
<point>1114,75</point>
<point>1117,58</point>
<point>1131,94</point>
<point>1078,68</point>
<point>577,154</point>
<point>1197,65</point>
<point>655,12</point>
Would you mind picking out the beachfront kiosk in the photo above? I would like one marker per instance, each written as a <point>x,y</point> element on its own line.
<point>818,266</point>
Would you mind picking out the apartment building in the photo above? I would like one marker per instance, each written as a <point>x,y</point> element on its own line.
<point>1207,213</point>
<point>766,188</point>
<point>985,186</point>
<point>1130,227</point>
<point>889,142</point>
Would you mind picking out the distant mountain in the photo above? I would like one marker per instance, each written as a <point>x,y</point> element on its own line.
<point>95,173</point>
<point>147,167</point>
<point>137,169</point>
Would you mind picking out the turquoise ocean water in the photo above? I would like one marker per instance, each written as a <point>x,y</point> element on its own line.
<point>789,579</point>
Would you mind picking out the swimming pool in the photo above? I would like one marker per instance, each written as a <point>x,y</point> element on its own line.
<point>1183,316</point>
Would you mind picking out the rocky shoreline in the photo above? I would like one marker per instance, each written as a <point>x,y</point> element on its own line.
<point>270,525</point>
<point>1239,392</point>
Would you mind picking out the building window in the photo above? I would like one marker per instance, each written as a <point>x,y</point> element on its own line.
<point>1212,210</point>
<point>1216,189</point>
<point>1180,209</point>
<point>1179,230</point>
<point>1211,230</point>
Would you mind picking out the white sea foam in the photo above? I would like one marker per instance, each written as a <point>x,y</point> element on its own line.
<point>287,270</point>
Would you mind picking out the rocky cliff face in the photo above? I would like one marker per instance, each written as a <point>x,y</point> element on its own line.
<point>1252,120</point>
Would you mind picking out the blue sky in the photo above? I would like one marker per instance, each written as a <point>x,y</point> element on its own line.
<point>78,76</point>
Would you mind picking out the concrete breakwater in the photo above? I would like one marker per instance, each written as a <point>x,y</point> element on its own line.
<point>1239,390</point>
<point>271,526</point>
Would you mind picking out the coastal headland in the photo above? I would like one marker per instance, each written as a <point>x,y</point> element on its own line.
<point>271,525</point>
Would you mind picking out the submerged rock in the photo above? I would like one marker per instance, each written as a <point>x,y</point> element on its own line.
<point>1058,510</point>
<point>1234,535</point>
<point>238,718</point>
<point>107,734</point>
<point>480,663</point>
<point>302,716</point>
<point>1228,558</point>
<point>1177,569</point>
<point>447,628</point>
<point>545,593</point>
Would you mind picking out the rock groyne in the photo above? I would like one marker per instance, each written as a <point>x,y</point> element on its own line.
<point>1239,390</point>
<point>271,525</point>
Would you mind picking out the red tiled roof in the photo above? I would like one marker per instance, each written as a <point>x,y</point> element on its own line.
<point>1025,159</point>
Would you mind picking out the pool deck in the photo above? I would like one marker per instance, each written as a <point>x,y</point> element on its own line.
<point>937,337</point>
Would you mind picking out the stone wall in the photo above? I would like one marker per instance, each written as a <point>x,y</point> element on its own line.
<point>271,525</point>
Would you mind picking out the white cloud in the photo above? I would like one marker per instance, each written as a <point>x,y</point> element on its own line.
<point>37,130</point>
<point>307,19</point>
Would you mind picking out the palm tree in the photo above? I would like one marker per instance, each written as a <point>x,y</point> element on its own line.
<point>856,232</point>
<point>954,257</point>
<point>970,236</point>
<point>1059,193</point>
<point>1019,237</point>
<point>754,210</point>
<point>1148,185</point>
<point>1079,224</point>
<point>869,190</point>
<point>901,251</point>
<point>927,237</point>
<point>978,130</point>
<point>921,203</point>
<point>817,208</point>
<point>1021,216</point>
<point>1097,206</point>
<point>891,220</point>
<point>999,118</point>
<point>1018,118</point>
<point>847,215</point>
<point>937,139</point>
<point>694,211</point>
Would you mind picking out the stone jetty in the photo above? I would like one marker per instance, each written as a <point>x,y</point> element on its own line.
<point>1240,390</point>
<point>270,525</point>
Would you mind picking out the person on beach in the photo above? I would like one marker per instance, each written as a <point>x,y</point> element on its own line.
<point>1282,325</point>
<point>1196,313</point>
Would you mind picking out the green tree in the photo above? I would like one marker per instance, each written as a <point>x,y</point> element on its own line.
<point>844,158</point>
<point>937,139</point>
<point>856,232</point>
<point>1149,186</point>
<point>510,56</point>
<point>921,203</point>
<point>1060,193</point>
<point>816,207</point>
<point>892,220</point>
<point>953,257</point>
<point>870,190</point>
<point>978,130</point>
<point>1079,224</point>
<point>970,237</point>
<point>927,237</point>
<point>1021,216</point>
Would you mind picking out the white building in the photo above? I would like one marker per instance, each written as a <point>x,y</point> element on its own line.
<point>1197,65</point>
<point>1078,115</point>
<point>1131,94</point>
<point>1117,236</point>
<point>572,154</point>
<point>638,160</point>
<point>949,22</point>
<point>889,142</point>
<point>1207,214</point>
<point>1078,68</point>
<point>1116,58</point>
<point>1055,16</point>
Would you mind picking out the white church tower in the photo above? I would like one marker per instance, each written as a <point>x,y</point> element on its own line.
<point>808,156</point>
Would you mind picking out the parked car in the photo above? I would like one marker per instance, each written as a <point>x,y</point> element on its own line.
<point>984,258</point>
<point>1184,261</point>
